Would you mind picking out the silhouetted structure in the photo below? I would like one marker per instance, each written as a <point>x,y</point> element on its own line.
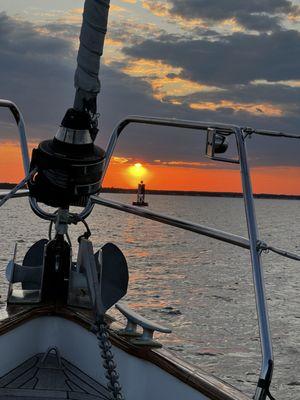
<point>141,192</point>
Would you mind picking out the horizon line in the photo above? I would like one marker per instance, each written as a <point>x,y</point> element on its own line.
<point>174,192</point>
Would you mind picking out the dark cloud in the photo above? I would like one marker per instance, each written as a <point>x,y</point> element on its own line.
<point>220,10</point>
<point>37,68</point>
<point>132,32</point>
<point>19,36</point>
<point>168,144</point>
<point>67,31</point>
<point>287,97</point>
<point>35,72</point>
<point>253,14</point>
<point>236,59</point>
<point>258,22</point>
<point>232,63</point>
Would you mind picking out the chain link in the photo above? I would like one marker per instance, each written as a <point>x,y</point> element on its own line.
<point>109,364</point>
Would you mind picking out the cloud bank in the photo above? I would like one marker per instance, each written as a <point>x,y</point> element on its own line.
<point>238,77</point>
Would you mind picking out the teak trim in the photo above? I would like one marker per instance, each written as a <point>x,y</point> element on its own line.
<point>213,388</point>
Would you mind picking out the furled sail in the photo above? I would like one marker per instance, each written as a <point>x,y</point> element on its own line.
<point>92,37</point>
<point>69,167</point>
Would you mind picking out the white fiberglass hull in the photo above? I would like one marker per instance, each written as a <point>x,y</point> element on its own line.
<point>140,378</point>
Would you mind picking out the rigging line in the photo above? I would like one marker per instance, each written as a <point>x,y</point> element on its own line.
<point>270,395</point>
<point>25,193</point>
<point>277,134</point>
<point>17,187</point>
<point>251,131</point>
<point>264,247</point>
<point>284,253</point>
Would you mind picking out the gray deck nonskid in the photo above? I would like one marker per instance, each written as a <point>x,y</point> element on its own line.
<point>36,380</point>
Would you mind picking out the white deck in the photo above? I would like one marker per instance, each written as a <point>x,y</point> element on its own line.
<point>48,379</point>
<point>140,379</point>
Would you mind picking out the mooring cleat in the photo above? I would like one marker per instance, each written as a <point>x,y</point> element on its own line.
<point>133,321</point>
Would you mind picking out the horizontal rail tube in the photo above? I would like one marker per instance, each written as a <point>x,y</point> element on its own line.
<point>178,223</point>
<point>167,122</point>
<point>176,123</point>
<point>227,237</point>
<point>195,228</point>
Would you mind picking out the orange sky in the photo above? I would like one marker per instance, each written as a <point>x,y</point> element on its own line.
<point>122,173</point>
<point>279,180</point>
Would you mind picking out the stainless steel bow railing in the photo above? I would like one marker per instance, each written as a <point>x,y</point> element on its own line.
<point>265,378</point>
<point>227,129</point>
<point>253,243</point>
<point>22,131</point>
<point>24,148</point>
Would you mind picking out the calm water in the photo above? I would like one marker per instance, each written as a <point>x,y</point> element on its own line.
<point>201,288</point>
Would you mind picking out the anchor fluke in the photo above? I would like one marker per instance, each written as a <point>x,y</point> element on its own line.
<point>29,274</point>
<point>113,274</point>
<point>106,274</point>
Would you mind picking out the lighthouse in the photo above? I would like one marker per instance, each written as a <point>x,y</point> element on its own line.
<point>141,192</point>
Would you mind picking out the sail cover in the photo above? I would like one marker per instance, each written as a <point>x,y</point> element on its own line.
<point>93,30</point>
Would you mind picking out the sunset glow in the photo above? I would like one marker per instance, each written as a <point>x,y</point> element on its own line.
<point>165,80</point>
<point>199,177</point>
<point>162,58</point>
<point>254,108</point>
<point>173,175</point>
<point>11,165</point>
<point>136,173</point>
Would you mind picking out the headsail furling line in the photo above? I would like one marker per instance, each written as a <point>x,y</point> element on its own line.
<point>93,30</point>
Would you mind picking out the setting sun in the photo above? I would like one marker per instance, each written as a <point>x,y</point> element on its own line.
<point>136,173</point>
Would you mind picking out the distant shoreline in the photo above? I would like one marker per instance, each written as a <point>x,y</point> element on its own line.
<point>202,193</point>
<point>8,186</point>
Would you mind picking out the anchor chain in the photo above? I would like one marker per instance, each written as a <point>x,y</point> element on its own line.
<point>109,364</point>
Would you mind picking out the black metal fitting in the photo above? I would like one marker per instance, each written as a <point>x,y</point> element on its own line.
<point>67,173</point>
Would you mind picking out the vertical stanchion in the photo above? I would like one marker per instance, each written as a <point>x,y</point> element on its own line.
<point>22,131</point>
<point>258,274</point>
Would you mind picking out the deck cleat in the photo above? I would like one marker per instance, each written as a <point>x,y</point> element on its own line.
<point>133,321</point>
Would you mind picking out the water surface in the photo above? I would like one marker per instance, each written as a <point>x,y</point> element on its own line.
<point>198,286</point>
